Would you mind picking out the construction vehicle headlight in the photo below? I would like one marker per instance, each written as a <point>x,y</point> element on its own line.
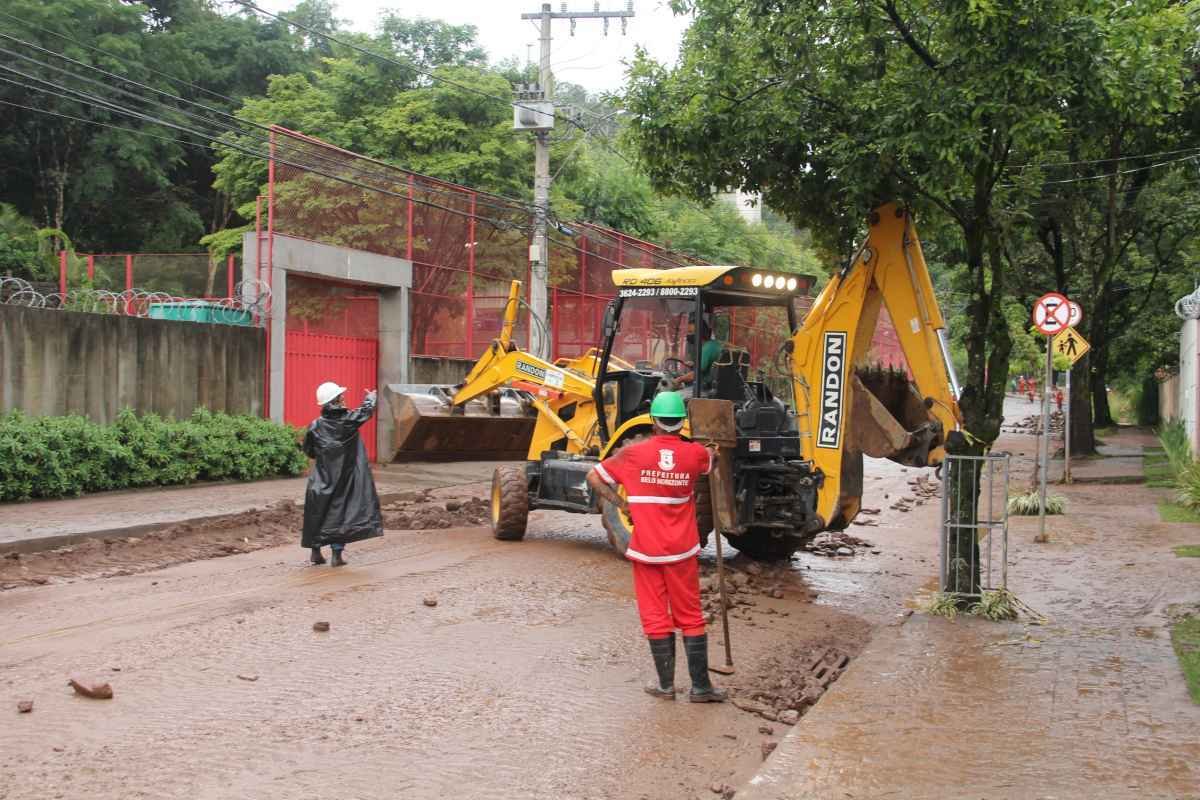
<point>792,283</point>
<point>756,281</point>
<point>769,282</point>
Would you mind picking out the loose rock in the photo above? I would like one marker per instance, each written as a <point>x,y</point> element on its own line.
<point>789,716</point>
<point>453,505</point>
<point>97,690</point>
<point>321,626</point>
<point>430,600</point>
<point>251,678</point>
<point>768,747</point>
<point>766,730</point>
<point>24,706</point>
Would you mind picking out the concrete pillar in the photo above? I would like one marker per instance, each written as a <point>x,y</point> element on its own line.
<point>393,363</point>
<point>278,327</point>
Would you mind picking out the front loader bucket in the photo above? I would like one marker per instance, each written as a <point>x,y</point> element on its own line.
<point>428,427</point>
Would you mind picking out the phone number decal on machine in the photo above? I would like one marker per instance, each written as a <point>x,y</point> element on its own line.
<point>659,291</point>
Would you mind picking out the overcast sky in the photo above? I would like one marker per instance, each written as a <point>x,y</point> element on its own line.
<point>588,59</point>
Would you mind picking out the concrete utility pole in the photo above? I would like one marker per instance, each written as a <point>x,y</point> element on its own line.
<point>539,253</point>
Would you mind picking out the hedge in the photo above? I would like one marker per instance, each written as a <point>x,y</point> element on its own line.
<point>46,457</point>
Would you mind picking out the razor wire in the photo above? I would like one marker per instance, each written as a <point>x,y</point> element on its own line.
<point>251,302</point>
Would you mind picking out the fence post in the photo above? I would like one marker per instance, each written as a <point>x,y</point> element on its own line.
<point>408,250</point>
<point>91,268</point>
<point>128,271</point>
<point>471,280</point>
<point>229,275</point>
<point>62,273</point>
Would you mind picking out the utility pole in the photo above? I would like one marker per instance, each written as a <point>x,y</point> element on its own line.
<point>539,252</point>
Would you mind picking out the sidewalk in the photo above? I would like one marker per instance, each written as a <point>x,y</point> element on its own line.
<point>1093,704</point>
<point>44,524</point>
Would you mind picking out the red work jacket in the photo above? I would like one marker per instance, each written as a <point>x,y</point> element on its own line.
<point>659,476</point>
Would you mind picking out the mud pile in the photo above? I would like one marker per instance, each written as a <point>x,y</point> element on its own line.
<point>174,544</point>
<point>421,511</point>
<point>747,583</point>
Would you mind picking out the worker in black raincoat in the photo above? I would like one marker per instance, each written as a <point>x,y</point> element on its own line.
<point>340,503</point>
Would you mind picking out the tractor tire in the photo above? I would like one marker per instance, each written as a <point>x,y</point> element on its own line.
<point>510,503</point>
<point>617,527</point>
<point>765,544</point>
<point>704,511</point>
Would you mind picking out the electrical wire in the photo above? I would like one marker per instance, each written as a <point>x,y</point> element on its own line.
<point>1113,174</point>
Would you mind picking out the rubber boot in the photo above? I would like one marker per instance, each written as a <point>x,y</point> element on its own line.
<point>338,561</point>
<point>316,556</point>
<point>696,648</point>
<point>663,652</point>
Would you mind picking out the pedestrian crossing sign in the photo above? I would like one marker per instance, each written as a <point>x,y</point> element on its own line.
<point>1069,343</point>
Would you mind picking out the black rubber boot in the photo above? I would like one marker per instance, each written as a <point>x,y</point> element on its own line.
<point>696,648</point>
<point>316,556</point>
<point>663,652</point>
<point>338,561</point>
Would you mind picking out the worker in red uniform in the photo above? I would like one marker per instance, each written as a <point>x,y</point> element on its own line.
<point>659,477</point>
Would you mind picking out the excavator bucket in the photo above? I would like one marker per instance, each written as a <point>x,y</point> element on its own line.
<point>428,427</point>
<point>889,419</point>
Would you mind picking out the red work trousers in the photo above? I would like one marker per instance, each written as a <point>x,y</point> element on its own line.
<point>668,597</point>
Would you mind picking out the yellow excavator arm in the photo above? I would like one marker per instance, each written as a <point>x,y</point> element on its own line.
<point>848,408</point>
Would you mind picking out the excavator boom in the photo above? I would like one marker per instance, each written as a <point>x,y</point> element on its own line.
<point>853,408</point>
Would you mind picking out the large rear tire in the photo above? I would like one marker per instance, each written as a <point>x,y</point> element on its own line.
<point>765,544</point>
<point>510,503</point>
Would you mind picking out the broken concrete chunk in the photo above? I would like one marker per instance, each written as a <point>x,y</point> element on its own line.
<point>321,626</point>
<point>88,687</point>
<point>430,600</point>
<point>768,747</point>
<point>251,678</point>
<point>24,706</point>
<point>789,716</point>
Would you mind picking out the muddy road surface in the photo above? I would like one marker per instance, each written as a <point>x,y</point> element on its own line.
<point>455,665</point>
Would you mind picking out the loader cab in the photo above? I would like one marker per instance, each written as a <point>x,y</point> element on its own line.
<point>715,332</point>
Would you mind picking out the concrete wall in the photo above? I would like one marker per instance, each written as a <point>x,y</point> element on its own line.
<point>1189,398</point>
<point>62,362</point>
<point>448,371</point>
<point>1168,399</point>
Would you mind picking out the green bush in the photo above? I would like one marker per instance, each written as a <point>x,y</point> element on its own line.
<point>42,457</point>
<point>1174,438</point>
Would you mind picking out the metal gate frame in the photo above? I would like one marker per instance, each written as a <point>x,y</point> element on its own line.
<point>991,473</point>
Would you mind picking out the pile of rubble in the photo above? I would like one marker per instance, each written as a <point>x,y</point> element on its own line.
<point>420,511</point>
<point>1031,425</point>
<point>743,584</point>
<point>839,543</point>
<point>788,692</point>
<point>923,490</point>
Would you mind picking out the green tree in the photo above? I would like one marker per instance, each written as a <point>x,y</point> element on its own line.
<point>829,108</point>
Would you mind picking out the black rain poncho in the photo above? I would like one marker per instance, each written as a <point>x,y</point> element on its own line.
<point>340,503</point>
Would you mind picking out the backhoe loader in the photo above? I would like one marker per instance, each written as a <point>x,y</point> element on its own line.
<point>804,419</point>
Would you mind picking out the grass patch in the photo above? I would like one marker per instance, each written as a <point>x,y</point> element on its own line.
<point>997,606</point>
<point>1158,472</point>
<point>1185,637</point>
<point>1174,512</point>
<point>942,604</point>
<point>1188,551</point>
<point>1029,504</point>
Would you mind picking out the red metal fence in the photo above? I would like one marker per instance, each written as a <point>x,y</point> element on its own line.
<point>191,275</point>
<point>466,246</point>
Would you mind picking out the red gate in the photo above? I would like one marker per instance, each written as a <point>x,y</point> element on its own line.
<point>332,335</point>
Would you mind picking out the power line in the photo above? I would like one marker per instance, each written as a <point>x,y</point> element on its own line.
<point>395,62</point>
<point>1113,174</point>
<point>1105,160</point>
<point>222,127</point>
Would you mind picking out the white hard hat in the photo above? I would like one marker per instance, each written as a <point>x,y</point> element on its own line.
<point>329,391</point>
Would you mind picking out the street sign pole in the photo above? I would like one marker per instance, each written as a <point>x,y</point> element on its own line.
<point>1067,431</point>
<point>1045,451</point>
